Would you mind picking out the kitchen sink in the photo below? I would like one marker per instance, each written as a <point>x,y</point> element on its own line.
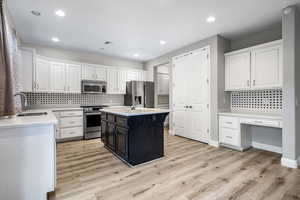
<point>31,114</point>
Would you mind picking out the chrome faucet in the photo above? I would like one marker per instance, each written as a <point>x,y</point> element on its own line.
<point>24,102</point>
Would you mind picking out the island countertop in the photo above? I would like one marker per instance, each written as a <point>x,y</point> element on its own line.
<point>127,111</point>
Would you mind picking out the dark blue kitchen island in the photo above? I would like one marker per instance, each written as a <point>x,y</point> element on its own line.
<point>135,136</point>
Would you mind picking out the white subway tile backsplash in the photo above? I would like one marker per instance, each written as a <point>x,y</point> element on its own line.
<point>35,99</point>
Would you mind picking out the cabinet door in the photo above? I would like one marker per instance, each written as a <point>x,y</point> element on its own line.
<point>198,71</point>
<point>43,75</point>
<point>122,78</point>
<point>111,136</point>
<point>104,132</point>
<point>237,71</point>
<point>266,68</point>
<point>112,81</point>
<point>26,70</point>
<point>179,97</point>
<point>122,142</point>
<point>58,77</point>
<point>100,73</point>
<point>89,72</point>
<point>132,76</point>
<point>163,84</point>
<point>74,78</point>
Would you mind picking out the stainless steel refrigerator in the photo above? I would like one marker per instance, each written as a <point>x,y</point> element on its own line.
<point>139,94</point>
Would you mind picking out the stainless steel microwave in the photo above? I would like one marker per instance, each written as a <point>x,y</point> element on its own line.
<point>93,87</point>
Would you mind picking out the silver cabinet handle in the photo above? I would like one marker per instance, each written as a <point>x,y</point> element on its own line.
<point>253,82</point>
<point>228,122</point>
<point>248,82</point>
<point>259,122</point>
<point>37,86</point>
<point>229,137</point>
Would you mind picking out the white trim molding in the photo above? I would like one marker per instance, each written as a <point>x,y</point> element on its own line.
<point>214,143</point>
<point>267,147</point>
<point>290,162</point>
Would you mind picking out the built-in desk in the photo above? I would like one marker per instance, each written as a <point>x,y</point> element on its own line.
<point>233,133</point>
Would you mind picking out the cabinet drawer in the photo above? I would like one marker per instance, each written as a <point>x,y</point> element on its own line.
<point>262,122</point>
<point>121,121</point>
<point>231,137</point>
<point>111,118</point>
<point>229,122</point>
<point>70,122</point>
<point>71,132</point>
<point>70,113</point>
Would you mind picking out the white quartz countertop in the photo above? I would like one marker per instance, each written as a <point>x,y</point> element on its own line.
<point>126,111</point>
<point>274,116</point>
<point>21,121</point>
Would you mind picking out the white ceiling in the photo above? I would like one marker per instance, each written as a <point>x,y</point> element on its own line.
<point>137,26</point>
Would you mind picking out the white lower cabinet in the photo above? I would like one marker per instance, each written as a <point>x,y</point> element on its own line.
<point>70,125</point>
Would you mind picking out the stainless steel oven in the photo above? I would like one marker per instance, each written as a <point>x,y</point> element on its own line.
<point>93,87</point>
<point>92,121</point>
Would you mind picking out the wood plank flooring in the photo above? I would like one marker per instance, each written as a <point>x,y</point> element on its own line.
<point>189,171</point>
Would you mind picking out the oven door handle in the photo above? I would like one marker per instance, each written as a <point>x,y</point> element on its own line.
<point>87,114</point>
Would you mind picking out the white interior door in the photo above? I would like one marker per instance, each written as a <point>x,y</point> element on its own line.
<point>179,97</point>
<point>198,91</point>
<point>74,78</point>
<point>266,68</point>
<point>237,71</point>
<point>42,75</point>
<point>58,77</point>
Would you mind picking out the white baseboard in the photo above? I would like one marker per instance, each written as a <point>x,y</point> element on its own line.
<point>290,163</point>
<point>267,147</point>
<point>214,143</point>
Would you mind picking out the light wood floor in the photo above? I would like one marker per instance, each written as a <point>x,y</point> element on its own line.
<point>189,171</point>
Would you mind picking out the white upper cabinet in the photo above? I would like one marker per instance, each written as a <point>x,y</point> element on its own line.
<point>266,67</point>
<point>26,67</point>
<point>132,75</point>
<point>95,72</point>
<point>58,77</point>
<point>258,67</point>
<point>74,78</point>
<point>122,79</point>
<point>112,81</point>
<point>237,71</point>
<point>42,75</point>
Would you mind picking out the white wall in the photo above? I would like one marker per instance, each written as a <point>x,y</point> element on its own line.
<point>84,57</point>
<point>291,83</point>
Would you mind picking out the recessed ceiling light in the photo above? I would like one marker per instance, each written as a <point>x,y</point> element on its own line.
<point>60,13</point>
<point>162,42</point>
<point>136,55</point>
<point>211,19</point>
<point>35,13</point>
<point>55,39</point>
<point>107,42</point>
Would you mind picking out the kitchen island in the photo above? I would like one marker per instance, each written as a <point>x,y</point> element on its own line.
<point>135,136</point>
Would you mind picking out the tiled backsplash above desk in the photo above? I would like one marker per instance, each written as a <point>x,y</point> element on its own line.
<point>36,99</point>
<point>257,101</point>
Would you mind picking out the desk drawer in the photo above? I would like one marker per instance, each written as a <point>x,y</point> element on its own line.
<point>262,122</point>
<point>229,122</point>
<point>71,113</point>
<point>230,136</point>
<point>71,132</point>
<point>70,122</point>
